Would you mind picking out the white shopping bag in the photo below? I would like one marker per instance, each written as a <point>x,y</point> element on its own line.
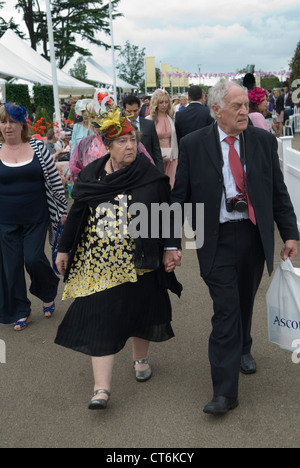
<point>283,306</point>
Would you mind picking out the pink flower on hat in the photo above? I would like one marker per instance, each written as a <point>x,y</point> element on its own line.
<point>257,95</point>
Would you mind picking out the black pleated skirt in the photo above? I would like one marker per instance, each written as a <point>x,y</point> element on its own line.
<point>100,324</point>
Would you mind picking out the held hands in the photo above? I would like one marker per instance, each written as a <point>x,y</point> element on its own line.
<point>171,259</point>
<point>289,250</point>
<point>62,262</point>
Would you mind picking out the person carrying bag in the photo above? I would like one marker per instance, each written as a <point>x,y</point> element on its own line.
<point>283,306</point>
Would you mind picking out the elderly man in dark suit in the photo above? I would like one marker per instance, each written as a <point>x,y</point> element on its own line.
<point>194,116</point>
<point>240,208</point>
<point>149,138</point>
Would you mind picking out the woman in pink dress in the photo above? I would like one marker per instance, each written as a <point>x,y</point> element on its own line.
<point>258,105</point>
<point>161,112</point>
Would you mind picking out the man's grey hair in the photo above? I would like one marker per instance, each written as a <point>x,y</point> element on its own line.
<point>217,94</point>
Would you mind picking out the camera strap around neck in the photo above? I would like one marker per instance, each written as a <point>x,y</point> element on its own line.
<point>242,156</point>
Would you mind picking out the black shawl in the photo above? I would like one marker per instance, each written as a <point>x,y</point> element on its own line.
<point>144,182</point>
<point>89,189</point>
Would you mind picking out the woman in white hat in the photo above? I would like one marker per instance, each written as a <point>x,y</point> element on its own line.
<point>82,129</point>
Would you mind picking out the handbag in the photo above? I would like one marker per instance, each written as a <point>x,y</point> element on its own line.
<point>143,262</point>
<point>146,255</point>
<point>283,306</point>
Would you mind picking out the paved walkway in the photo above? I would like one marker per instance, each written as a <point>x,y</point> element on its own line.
<point>45,389</point>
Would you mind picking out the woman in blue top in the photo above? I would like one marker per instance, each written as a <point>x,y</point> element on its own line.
<point>82,129</point>
<point>31,195</point>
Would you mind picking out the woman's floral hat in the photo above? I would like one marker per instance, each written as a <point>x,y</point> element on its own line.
<point>81,106</point>
<point>101,96</point>
<point>257,95</point>
<point>158,93</point>
<point>18,113</point>
<point>111,124</point>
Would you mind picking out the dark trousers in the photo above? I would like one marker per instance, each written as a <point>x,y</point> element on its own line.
<point>19,243</point>
<point>233,283</point>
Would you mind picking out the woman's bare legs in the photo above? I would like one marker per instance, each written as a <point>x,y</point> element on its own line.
<point>102,369</point>
<point>103,366</point>
<point>140,351</point>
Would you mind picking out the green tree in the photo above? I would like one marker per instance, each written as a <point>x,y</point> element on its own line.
<point>43,97</point>
<point>10,24</point>
<point>295,65</point>
<point>18,93</point>
<point>79,70</point>
<point>131,65</point>
<point>270,82</point>
<point>70,19</point>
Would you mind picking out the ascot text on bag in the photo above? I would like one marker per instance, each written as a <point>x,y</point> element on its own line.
<point>283,306</point>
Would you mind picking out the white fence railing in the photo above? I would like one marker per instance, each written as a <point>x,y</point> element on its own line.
<point>290,163</point>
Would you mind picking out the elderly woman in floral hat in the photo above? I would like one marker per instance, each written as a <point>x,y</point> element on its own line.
<point>92,147</point>
<point>31,195</point>
<point>114,271</point>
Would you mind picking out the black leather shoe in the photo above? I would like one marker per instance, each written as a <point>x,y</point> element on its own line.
<point>220,405</point>
<point>248,364</point>
<point>100,403</point>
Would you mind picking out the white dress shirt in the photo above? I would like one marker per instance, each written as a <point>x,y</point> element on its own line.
<point>229,181</point>
<point>137,123</point>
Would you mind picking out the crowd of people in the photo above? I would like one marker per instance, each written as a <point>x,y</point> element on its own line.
<point>214,150</point>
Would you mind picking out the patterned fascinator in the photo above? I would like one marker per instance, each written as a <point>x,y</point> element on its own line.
<point>18,113</point>
<point>111,123</point>
<point>101,96</point>
<point>159,93</point>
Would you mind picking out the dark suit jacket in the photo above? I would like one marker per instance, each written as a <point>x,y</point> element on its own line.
<point>199,179</point>
<point>150,140</point>
<point>191,118</point>
<point>143,110</point>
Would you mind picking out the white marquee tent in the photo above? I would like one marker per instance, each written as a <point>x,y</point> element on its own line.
<point>19,60</point>
<point>12,65</point>
<point>2,90</point>
<point>97,73</point>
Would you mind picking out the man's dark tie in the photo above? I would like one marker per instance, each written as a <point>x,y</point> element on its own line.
<point>239,175</point>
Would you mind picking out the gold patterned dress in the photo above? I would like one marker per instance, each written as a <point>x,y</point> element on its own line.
<point>104,258</point>
<point>113,300</point>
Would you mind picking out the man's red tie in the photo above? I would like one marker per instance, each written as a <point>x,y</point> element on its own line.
<point>239,174</point>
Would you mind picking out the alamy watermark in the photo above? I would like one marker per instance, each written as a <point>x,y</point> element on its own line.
<point>159,221</point>
<point>296,353</point>
<point>2,352</point>
<point>296,93</point>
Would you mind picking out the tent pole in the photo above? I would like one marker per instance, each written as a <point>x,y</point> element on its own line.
<point>113,52</point>
<point>53,64</point>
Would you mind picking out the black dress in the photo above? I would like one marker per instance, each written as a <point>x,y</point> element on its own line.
<point>113,300</point>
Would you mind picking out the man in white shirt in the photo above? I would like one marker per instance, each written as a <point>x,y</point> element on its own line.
<point>237,242</point>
